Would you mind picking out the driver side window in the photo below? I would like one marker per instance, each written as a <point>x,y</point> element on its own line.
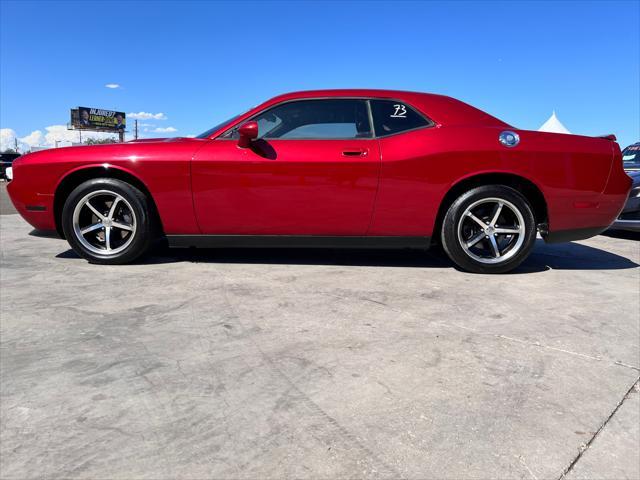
<point>315,119</point>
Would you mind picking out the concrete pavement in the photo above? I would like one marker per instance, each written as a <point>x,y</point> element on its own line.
<point>6,207</point>
<point>317,364</point>
<point>615,447</point>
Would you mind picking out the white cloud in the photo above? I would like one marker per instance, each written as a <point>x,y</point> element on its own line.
<point>112,85</point>
<point>61,134</point>
<point>34,138</point>
<point>54,133</point>
<point>147,116</point>
<point>7,139</point>
<point>164,130</point>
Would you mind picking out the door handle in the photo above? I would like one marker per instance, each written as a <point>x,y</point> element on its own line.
<point>356,152</point>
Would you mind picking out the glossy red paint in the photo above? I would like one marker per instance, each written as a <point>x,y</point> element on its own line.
<point>281,187</point>
<point>248,132</point>
<point>391,186</point>
<point>162,165</point>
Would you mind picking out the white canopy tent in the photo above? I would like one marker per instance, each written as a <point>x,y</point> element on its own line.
<point>553,125</point>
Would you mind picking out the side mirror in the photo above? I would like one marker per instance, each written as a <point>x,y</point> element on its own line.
<point>248,133</point>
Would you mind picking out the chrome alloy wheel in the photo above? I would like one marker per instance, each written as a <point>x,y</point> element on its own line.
<point>104,222</point>
<point>491,230</point>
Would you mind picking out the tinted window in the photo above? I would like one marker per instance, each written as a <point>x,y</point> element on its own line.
<point>390,116</point>
<point>631,156</point>
<point>315,119</point>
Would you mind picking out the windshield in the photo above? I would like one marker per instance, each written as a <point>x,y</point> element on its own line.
<point>217,127</point>
<point>631,157</point>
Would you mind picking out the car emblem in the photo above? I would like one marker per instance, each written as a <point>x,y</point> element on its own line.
<point>509,138</point>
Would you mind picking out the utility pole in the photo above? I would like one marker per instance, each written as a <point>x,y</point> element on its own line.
<point>135,130</point>
<point>80,132</point>
<point>15,142</point>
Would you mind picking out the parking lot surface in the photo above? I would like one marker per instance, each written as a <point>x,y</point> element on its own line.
<point>6,207</point>
<point>318,364</point>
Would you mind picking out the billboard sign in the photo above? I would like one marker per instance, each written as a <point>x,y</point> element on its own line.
<point>98,119</point>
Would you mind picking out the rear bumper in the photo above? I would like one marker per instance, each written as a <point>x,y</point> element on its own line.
<point>573,234</point>
<point>580,215</point>
<point>629,225</point>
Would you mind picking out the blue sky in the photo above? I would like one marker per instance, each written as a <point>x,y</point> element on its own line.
<point>201,62</point>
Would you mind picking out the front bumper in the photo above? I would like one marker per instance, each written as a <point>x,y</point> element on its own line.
<point>35,208</point>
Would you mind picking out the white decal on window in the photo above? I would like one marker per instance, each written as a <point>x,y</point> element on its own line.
<point>400,111</point>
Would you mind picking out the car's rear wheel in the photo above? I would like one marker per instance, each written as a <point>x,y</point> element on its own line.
<point>489,229</point>
<point>107,221</point>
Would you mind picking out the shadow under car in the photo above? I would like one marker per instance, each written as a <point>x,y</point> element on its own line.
<point>565,256</point>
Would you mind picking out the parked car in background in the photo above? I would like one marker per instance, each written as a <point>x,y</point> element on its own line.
<point>6,160</point>
<point>631,158</point>
<point>349,168</point>
<point>629,219</point>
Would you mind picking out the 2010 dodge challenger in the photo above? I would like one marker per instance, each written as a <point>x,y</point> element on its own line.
<point>350,168</point>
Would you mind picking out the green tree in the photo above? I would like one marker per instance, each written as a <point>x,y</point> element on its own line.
<point>100,141</point>
<point>9,150</point>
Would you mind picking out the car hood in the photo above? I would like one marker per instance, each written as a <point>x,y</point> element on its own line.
<point>166,139</point>
<point>145,148</point>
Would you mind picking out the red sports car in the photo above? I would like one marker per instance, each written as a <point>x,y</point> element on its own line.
<point>350,168</point>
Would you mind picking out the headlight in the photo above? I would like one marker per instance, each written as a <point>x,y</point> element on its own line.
<point>634,193</point>
<point>9,173</point>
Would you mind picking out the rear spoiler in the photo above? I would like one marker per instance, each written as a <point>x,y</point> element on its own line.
<point>610,137</point>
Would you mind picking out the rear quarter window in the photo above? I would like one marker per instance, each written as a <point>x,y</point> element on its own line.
<point>392,116</point>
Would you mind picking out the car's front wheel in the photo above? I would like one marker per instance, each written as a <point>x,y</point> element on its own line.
<point>489,229</point>
<point>107,221</point>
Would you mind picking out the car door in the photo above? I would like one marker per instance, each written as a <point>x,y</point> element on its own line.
<point>411,172</point>
<point>312,171</point>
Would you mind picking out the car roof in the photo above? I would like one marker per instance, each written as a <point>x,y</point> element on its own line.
<point>353,92</point>
<point>440,108</point>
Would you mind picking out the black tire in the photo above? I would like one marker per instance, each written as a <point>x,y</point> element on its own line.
<point>133,244</point>
<point>481,256</point>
